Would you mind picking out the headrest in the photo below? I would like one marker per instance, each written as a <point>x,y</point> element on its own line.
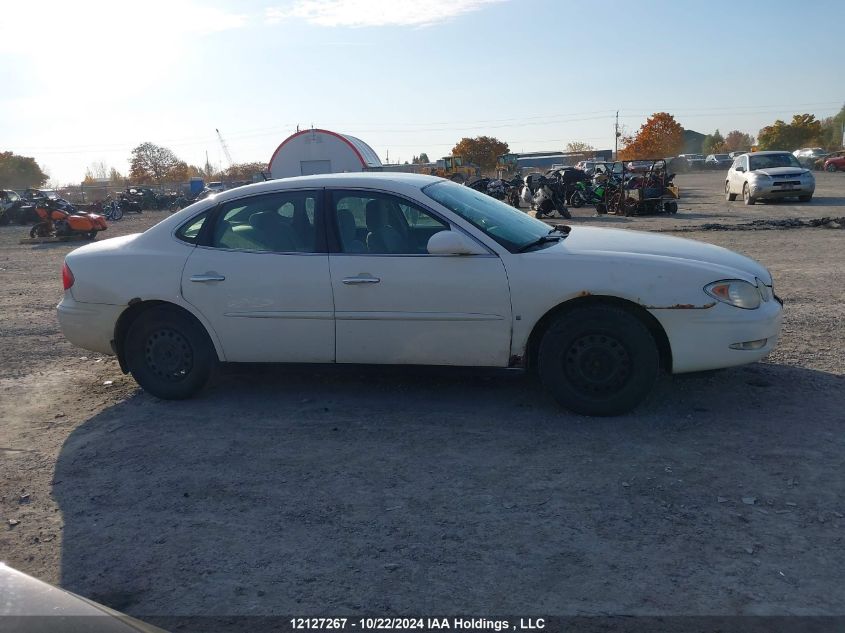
<point>375,214</point>
<point>346,223</point>
<point>265,220</point>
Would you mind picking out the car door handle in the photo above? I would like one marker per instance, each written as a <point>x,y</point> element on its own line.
<point>352,281</point>
<point>207,277</point>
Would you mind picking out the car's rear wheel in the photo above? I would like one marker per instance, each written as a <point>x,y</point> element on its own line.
<point>169,354</point>
<point>730,197</point>
<point>599,360</point>
<point>831,167</point>
<point>747,198</point>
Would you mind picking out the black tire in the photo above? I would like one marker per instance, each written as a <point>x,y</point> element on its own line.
<point>830,168</point>
<point>577,200</point>
<point>564,213</point>
<point>169,354</point>
<point>599,360</point>
<point>730,197</point>
<point>805,198</point>
<point>4,219</point>
<point>747,198</point>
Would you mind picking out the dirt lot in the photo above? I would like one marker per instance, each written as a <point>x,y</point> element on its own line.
<point>353,490</point>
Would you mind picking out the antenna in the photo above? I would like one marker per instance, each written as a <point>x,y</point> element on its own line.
<point>225,148</point>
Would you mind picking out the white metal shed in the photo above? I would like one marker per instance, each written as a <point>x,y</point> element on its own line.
<point>318,151</point>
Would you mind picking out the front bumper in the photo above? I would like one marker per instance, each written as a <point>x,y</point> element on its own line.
<point>88,325</point>
<point>701,339</point>
<point>768,190</point>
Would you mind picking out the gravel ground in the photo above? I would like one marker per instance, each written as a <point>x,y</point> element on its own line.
<point>350,490</point>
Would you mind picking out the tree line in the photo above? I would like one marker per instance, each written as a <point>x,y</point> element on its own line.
<point>661,135</point>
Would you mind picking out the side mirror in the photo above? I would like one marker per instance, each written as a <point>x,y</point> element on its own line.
<point>453,243</point>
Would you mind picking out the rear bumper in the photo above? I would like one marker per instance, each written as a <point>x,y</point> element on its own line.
<point>701,339</point>
<point>88,325</point>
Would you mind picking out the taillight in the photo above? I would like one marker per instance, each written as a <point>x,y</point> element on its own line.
<point>67,276</point>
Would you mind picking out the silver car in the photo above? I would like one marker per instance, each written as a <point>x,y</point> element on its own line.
<point>769,175</point>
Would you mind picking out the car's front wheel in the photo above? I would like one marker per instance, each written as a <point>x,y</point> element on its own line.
<point>831,167</point>
<point>599,360</point>
<point>168,353</point>
<point>747,198</point>
<point>730,197</point>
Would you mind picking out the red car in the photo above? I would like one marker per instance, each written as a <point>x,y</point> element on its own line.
<point>835,162</point>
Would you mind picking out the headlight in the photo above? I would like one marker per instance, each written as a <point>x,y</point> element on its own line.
<point>735,292</point>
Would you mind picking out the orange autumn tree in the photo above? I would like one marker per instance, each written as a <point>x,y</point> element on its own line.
<point>660,136</point>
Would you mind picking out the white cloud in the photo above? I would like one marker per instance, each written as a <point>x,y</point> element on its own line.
<point>359,13</point>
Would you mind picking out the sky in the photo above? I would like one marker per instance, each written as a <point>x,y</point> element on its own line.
<point>98,77</point>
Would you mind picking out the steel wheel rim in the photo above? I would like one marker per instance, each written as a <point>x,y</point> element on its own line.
<point>168,355</point>
<point>597,364</point>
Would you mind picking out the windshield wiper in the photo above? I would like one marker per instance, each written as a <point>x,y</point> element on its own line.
<point>543,239</point>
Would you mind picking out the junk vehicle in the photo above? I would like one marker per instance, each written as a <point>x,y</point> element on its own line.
<point>500,189</point>
<point>13,208</point>
<point>456,169</point>
<point>58,220</point>
<point>644,193</point>
<point>549,195</point>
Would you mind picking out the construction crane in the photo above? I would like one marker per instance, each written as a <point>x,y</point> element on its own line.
<point>225,148</point>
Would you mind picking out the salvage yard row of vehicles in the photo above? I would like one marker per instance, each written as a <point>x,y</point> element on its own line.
<point>404,269</point>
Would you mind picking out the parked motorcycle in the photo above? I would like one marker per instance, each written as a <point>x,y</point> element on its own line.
<point>504,190</point>
<point>58,220</point>
<point>111,209</point>
<point>130,202</point>
<point>550,197</point>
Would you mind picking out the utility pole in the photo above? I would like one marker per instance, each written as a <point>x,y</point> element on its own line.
<point>616,137</point>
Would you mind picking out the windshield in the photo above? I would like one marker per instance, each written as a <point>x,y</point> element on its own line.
<point>722,156</point>
<point>769,161</point>
<point>511,228</point>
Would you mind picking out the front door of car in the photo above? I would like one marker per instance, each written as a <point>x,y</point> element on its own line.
<point>396,304</point>
<point>260,275</point>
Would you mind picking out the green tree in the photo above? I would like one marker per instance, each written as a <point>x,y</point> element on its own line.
<point>423,158</point>
<point>481,150</point>
<point>713,143</point>
<point>20,172</point>
<point>830,136</point>
<point>737,141</point>
<point>803,130</point>
<point>151,163</point>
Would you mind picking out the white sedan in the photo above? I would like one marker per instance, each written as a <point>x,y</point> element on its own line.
<point>407,269</point>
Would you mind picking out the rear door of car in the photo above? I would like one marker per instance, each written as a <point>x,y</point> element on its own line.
<point>260,276</point>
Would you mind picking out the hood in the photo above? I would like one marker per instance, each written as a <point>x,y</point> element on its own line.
<point>781,171</point>
<point>619,243</point>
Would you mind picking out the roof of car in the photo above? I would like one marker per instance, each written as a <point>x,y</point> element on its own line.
<point>368,179</point>
<point>769,152</point>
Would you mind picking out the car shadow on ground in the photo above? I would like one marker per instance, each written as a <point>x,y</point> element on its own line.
<point>360,490</point>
